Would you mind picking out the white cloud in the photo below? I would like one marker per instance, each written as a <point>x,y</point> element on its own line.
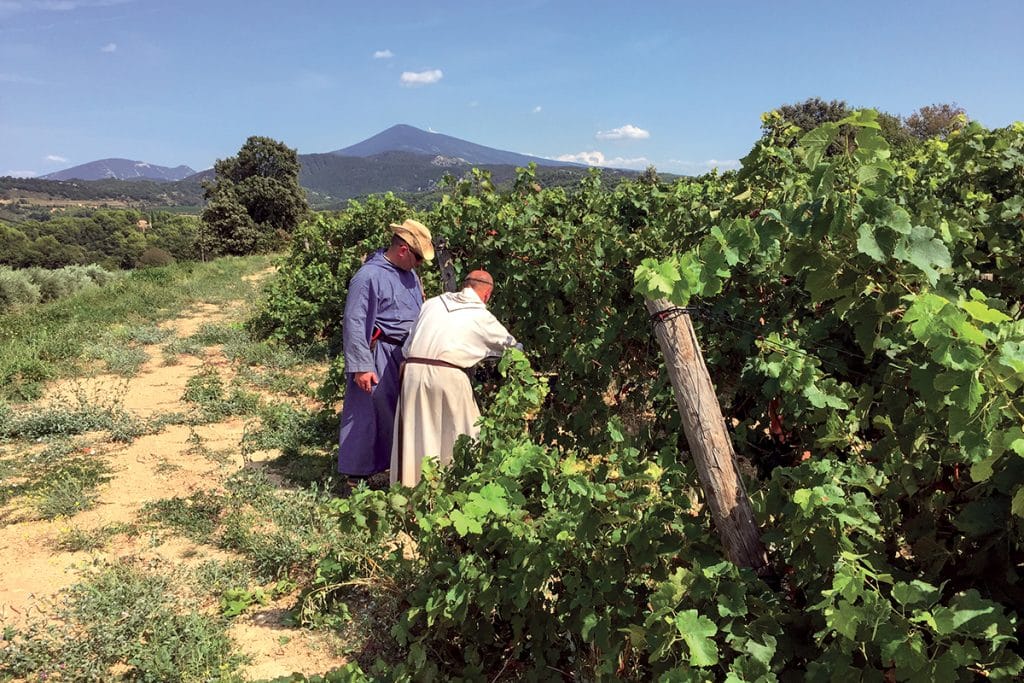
<point>700,167</point>
<point>536,110</point>
<point>627,132</point>
<point>597,158</point>
<point>21,174</point>
<point>56,159</point>
<point>414,78</point>
<point>474,103</point>
<point>383,54</point>
<point>634,163</point>
<point>593,158</point>
<point>109,47</point>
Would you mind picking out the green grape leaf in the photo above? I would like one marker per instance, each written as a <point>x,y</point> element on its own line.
<point>815,142</point>
<point>970,394</point>
<point>1017,505</point>
<point>922,314</point>
<point>863,118</point>
<point>661,278</point>
<point>915,593</point>
<point>981,517</point>
<point>698,633</point>
<point>983,469</point>
<point>819,399</point>
<point>922,250</point>
<point>1011,354</point>
<point>464,524</point>
<point>868,244</point>
<point>982,313</point>
<point>844,618</point>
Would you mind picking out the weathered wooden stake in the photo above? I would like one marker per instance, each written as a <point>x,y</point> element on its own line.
<point>708,437</point>
<point>445,265</point>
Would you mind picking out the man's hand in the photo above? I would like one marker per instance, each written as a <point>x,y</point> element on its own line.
<point>365,380</point>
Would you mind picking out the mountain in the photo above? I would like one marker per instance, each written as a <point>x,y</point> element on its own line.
<point>332,179</point>
<point>121,169</point>
<point>343,177</point>
<point>403,138</point>
<point>402,159</point>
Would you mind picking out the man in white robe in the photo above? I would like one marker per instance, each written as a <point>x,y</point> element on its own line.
<point>453,332</point>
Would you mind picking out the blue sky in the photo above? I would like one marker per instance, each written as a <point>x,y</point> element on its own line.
<point>680,85</point>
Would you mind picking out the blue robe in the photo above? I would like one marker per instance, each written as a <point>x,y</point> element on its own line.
<point>384,296</point>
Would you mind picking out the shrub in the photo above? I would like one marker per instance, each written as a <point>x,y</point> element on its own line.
<point>59,283</point>
<point>98,274</point>
<point>16,289</point>
<point>155,256</point>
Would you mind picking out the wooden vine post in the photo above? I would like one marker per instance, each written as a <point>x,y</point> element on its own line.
<point>708,437</point>
<point>445,265</point>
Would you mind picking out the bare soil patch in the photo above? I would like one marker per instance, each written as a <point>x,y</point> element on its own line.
<point>155,467</point>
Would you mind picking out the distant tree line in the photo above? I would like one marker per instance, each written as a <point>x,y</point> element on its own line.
<point>901,132</point>
<point>112,238</point>
<point>188,192</point>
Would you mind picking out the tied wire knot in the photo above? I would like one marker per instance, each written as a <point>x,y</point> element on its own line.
<point>672,314</point>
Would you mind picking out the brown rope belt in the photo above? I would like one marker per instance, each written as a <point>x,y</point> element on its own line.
<point>432,361</point>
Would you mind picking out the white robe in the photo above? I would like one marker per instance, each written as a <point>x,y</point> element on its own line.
<point>436,403</point>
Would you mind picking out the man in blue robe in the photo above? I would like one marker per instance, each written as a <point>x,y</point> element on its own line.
<point>383,301</point>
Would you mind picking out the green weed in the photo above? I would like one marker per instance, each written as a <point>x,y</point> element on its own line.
<point>60,480</point>
<point>215,334</point>
<point>305,439</point>
<point>71,489</point>
<point>119,358</point>
<point>57,421</point>
<point>237,600</point>
<point>195,517</point>
<point>279,531</point>
<point>76,539</point>
<point>278,381</point>
<point>144,333</point>
<point>122,623</point>
<point>75,412</point>
<point>215,577</point>
<point>206,391</point>
<point>180,347</point>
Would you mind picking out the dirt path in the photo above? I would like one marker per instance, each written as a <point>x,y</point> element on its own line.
<point>154,467</point>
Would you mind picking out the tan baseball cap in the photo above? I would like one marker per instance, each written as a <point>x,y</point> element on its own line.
<point>416,236</point>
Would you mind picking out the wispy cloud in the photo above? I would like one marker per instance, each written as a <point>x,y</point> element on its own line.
<point>698,167</point>
<point>21,174</point>
<point>415,78</point>
<point>109,47</point>
<point>17,78</point>
<point>383,54</point>
<point>8,8</point>
<point>55,159</point>
<point>536,110</point>
<point>627,132</point>
<point>474,103</point>
<point>313,80</point>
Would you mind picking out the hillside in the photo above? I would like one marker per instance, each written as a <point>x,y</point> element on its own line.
<point>121,169</point>
<point>330,180</point>
<point>402,159</point>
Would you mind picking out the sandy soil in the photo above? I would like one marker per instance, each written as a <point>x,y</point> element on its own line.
<point>153,467</point>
